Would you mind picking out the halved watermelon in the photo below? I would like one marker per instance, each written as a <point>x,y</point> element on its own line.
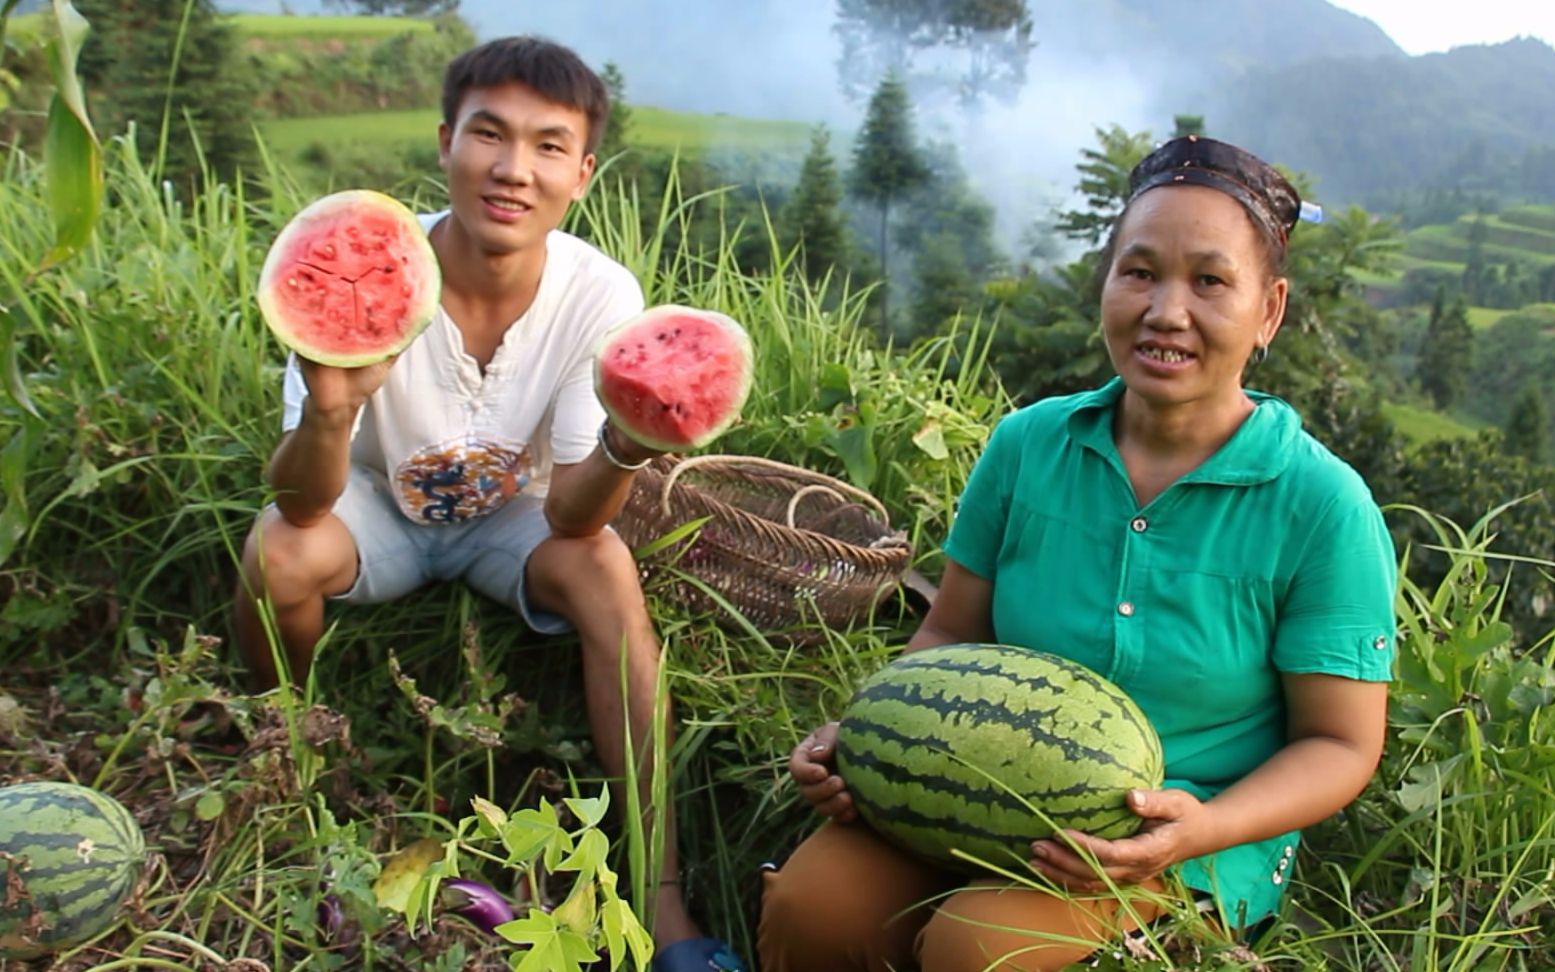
<point>674,378</point>
<point>351,280</point>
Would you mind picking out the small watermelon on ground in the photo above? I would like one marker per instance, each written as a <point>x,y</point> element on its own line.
<point>674,378</point>
<point>76,852</point>
<point>969,747</point>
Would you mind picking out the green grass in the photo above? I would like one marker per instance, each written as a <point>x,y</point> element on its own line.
<point>652,127</point>
<point>389,129</point>
<point>1537,216</point>
<point>663,128</point>
<point>1483,317</point>
<point>126,498</point>
<point>279,27</point>
<point>1421,425</point>
<point>26,29</point>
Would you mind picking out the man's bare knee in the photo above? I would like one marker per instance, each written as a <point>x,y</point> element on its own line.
<point>291,562</point>
<point>567,572</point>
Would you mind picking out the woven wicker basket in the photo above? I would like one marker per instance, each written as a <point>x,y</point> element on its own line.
<point>782,544</point>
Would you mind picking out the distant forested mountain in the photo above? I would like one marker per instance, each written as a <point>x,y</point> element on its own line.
<point>1476,118</point>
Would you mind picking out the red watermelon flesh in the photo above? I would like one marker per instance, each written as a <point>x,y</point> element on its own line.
<point>674,378</point>
<point>351,280</point>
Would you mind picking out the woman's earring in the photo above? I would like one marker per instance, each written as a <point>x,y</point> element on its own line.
<point>1260,355</point>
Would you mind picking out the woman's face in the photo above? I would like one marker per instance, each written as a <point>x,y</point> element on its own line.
<point>1188,296</point>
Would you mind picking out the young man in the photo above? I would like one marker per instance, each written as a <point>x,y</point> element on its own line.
<point>481,452</point>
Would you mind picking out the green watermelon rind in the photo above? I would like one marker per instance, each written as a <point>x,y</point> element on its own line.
<point>625,420</point>
<point>277,317</point>
<point>925,741</point>
<point>77,887</point>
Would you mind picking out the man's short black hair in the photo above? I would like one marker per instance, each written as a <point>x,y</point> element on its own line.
<point>554,71</point>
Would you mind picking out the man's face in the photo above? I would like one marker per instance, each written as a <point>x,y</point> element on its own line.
<point>515,161</point>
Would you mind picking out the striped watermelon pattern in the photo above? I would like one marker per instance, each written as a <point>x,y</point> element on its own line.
<point>84,853</point>
<point>959,747</point>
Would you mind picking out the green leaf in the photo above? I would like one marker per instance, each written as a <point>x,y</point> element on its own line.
<point>63,53</point>
<point>589,811</point>
<point>836,387</point>
<point>15,388</point>
<point>580,909</point>
<point>72,158</point>
<point>855,446</point>
<point>612,922</point>
<point>590,852</point>
<point>74,174</point>
<point>210,806</point>
<point>1493,635</point>
<point>86,479</point>
<point>492,817</point>
<point>13,483</point>
<point>399,876</point>
<point>931,439</point>
<point>528,832</point>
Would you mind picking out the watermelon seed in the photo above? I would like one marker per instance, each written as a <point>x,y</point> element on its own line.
<point>325,251</point>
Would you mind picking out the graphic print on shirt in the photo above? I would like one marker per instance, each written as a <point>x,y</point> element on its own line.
<point>459,479</point>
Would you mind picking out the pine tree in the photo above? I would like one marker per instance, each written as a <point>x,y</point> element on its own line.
<point>614,141</point>
<point>1104,182</point>
<point>198,110</point>
<point>1446,355</point>
<point>1528,427</point>
<point>1185,125</point>
<point>811,219</point>
<point>887,165</point>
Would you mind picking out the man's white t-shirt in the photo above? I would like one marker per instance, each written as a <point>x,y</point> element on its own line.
<point>452,443</point>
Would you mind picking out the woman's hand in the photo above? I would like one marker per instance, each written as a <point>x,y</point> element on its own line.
<point>812,766</point>
<point>1176,827</point>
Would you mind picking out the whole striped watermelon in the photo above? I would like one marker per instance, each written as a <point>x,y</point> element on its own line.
<point>77,852</point>
<point>959,747</point>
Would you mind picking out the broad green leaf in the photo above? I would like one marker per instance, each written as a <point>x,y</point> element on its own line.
<point>551,948</point>
<point>533,927</point>
<point>580,909</point>
<point>638,938</point>
<point>836,387</point>
<point>615,940</point>
<point>399,876</point>
<point>73,167</point>
<point>210,806</point>
<point>855,446</point>
<point>931,439</point>
<point>13,483</point>
<point>591,810</point>
<point>72,158</point>
<point>576,950</point>
<point>10,347</point>
<point>1493,635</point>
<point>590,852</point>
<point>13,526</point>
<point>531,830</point>
<point>63,53</point>
<point>546,956</point>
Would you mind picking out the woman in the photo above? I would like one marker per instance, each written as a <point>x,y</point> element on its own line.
<point>1185,538</point>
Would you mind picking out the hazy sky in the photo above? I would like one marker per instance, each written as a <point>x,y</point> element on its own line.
<point>1423,26</point>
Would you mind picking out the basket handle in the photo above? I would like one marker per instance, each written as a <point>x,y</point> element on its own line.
<point>833,485</point>
<point>793,501</point>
